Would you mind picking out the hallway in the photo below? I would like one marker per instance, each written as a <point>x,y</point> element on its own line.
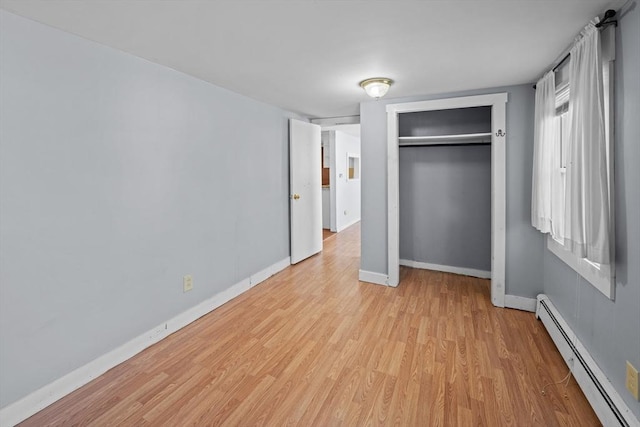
<point>313,346</point>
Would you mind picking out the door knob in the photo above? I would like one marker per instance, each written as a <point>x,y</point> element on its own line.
<point>296,196</point>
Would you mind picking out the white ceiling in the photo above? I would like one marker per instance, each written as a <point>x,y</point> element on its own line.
<point>307,56</point>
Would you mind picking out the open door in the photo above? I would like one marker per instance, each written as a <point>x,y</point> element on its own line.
<point>305,183</point>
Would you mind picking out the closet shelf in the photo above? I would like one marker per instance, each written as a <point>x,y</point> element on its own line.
<point>462,139</point>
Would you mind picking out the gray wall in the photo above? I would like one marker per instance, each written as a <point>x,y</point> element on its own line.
<point>445,205</point>
<point>445,122</point>
<point>524,244</point>
<point>118,177</point>
<point>610,330</point>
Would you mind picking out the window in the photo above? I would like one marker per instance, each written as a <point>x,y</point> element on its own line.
<point>599,275</point>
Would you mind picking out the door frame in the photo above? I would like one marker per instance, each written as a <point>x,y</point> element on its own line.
<point>497,102</point>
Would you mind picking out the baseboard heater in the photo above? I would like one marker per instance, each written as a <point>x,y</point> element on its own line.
<point>604,399</point>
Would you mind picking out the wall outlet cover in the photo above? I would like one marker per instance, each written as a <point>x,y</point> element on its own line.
<point>187,283</point>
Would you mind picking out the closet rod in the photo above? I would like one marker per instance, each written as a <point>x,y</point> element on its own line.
<point>602,24</point>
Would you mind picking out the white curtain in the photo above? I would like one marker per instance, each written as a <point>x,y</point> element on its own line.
<point>587,189</point>
<point>546,141</point>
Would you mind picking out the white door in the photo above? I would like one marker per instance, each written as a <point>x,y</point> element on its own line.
<point>305,184</point>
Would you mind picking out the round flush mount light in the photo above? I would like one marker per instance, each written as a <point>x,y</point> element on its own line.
<point>376,87</point>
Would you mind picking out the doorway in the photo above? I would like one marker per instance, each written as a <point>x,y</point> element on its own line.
<point>341,189</point>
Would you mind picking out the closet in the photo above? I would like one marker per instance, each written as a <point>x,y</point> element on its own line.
<point>445,200</point>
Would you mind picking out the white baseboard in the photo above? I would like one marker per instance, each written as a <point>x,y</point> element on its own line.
<point>520,303</point>
<point>603,397</point>
<point>263,275</point>
<point>372,277</point>
<point>355,221</point>
<point>45,396</point>
<point>447,268</point>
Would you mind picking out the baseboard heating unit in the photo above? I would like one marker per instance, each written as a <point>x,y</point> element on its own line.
<point>604,399</point>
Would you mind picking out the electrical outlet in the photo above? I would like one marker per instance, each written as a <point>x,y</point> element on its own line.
<point>632,380</point>
<point>187,283</point>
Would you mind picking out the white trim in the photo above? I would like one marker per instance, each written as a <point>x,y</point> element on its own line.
<point>373,277</point>
<point>520,303</point>
<point>573,359</point>
<point>497,102</point>
<point>50,393</point>
<point>602,279</point>
<point>393,198</point>
<point>483,274</point>
<point>333,178</point>
<point>273,269</point>
<point>498,201</point>
<point>449,103</point>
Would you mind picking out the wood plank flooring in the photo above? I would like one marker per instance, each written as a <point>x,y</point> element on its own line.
<point>327,233</point>
<point>312,346</point>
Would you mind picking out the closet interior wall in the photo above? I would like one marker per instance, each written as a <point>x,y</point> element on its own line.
<point>445,190</point>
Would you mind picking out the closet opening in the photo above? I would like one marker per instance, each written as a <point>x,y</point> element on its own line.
<point>445,190</point>
<point>439,150</point>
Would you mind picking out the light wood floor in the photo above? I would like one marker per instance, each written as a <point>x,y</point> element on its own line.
<point>327,233</point>
<point>313,346</point>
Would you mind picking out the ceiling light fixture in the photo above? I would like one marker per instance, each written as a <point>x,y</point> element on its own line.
<point>376,87</point>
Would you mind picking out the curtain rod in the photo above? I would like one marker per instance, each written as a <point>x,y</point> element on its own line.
<point>602,24</point>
